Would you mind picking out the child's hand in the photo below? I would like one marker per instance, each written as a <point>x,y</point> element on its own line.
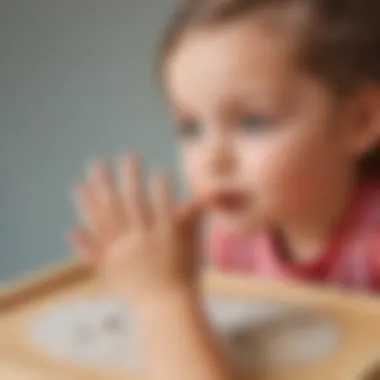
<point>145,247</point>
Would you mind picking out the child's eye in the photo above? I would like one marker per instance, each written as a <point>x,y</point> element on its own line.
<point>189,130</point>
<point>255,123</point>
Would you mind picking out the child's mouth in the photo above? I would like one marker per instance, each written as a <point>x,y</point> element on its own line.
<point>230,201</point>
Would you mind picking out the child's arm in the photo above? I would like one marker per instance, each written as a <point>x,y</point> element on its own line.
<point>150,257</point>
<point>178,342</point>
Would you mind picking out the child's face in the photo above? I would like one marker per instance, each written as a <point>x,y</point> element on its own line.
<point>251,125</point>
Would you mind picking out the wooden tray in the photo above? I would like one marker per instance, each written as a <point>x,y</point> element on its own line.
<point>357,315</point>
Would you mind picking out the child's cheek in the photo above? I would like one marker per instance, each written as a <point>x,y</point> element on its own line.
<point>286,178</point>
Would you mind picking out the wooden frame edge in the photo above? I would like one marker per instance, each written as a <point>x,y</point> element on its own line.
<point>40,282</point>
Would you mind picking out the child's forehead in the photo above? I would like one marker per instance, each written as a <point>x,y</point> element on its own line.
<point>241,36</point>
<point>236,63</point>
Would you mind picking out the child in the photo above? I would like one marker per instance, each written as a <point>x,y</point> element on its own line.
<point>277,110</point>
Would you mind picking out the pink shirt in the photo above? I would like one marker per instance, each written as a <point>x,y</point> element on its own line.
<point>352,258</point>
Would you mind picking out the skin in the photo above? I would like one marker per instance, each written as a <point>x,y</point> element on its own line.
<point>145,249</point>
<point>261,126</point>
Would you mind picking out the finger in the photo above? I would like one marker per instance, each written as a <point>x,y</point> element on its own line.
<point>88,207</point>
<point>107,195</point>
<point>84,245</point>
<point>162,196</point>
<point>134,192</point>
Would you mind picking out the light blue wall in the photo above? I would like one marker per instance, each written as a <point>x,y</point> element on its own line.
<point>76,81</point>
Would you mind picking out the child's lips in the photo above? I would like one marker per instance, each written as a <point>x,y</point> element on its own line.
<point>230,201</point>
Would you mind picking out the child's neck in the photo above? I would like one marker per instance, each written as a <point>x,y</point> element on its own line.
<point>307,237</point>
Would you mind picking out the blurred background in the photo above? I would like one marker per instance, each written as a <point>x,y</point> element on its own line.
<point>76,82</point>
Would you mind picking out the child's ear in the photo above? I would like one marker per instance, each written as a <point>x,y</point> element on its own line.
<point>364,121</point>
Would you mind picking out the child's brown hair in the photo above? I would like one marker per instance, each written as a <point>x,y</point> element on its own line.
<point>341,43</point>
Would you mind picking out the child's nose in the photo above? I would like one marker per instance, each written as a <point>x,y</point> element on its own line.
<point>221,158</point>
